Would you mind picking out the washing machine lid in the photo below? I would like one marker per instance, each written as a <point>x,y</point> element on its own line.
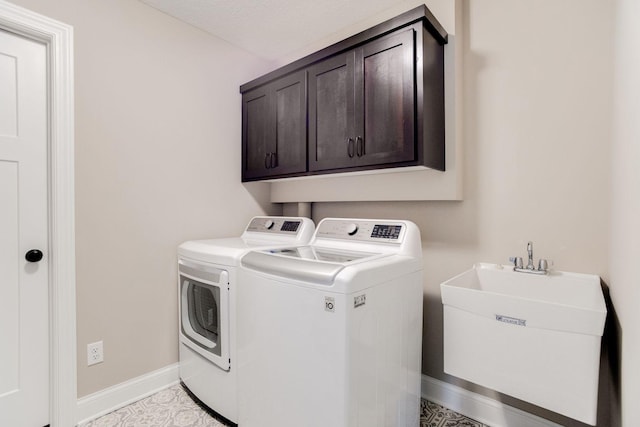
<point>322,254</point>
<point>307,263</point>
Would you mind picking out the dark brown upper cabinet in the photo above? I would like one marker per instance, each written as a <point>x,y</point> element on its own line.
<point>375,100</point>
<point>361,105</point>
<point>274,133</point>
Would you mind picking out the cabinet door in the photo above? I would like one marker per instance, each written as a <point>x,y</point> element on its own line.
<point>385,98</point>
<point>257,134</point>
<point>289,111</point>
<point>274,138</point>
<point>331,113</point>
<point>361,106</point>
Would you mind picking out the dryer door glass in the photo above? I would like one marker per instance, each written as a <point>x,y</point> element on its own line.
<point>204,311</point>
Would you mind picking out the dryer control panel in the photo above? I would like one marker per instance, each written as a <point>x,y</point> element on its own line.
<point>276,225</point>
<point>362,230</point>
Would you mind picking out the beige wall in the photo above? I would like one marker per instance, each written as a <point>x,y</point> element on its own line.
<point>157,162</point>
<point>625,216</point>
<point>536,125</point>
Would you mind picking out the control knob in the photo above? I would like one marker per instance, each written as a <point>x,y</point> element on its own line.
<point>352,229</point>
<point>268,224</point>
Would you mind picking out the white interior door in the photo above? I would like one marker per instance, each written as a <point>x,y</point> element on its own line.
<point>24,299</point>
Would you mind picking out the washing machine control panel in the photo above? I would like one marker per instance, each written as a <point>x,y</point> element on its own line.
<point>362,230</point>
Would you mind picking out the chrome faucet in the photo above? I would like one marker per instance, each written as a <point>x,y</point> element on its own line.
<point>543,265</point>
<point>530,253</point>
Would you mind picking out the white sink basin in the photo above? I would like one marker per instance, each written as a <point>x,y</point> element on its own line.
<point>560,301</point>
<point>534,337</point>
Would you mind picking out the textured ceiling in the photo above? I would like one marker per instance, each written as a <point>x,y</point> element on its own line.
<point>271,29</point>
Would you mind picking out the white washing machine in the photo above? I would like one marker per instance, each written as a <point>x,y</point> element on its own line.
<point>207,288</point>
<point>330,334</point>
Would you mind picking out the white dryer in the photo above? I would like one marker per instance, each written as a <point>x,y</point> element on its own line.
<point>330,334</point>
<point>207,288</point>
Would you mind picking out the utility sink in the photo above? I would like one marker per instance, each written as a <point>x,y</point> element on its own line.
<point>558,300</point>
<point>534,337</point>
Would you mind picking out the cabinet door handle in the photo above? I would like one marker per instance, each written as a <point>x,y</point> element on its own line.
<point>360,146</point>
<point>350,147</point>
<point>274,160</point>
<point>267,161</point>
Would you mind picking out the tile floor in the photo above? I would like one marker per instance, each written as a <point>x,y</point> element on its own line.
<point>173,407</point>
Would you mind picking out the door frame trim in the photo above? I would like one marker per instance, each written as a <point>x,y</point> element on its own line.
<point>58,38</point>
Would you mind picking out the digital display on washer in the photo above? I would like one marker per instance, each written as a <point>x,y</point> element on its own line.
<point>290,226</point>
<point>386,231</point>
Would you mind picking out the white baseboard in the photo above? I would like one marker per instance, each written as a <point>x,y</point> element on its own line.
<point>480,408</point>
<point>119,395</point>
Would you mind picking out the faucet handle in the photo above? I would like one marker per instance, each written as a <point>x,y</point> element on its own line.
<point>543,265</point>
<point>517,261</point>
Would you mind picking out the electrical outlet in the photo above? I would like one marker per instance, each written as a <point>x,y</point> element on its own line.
<point>94,353</point>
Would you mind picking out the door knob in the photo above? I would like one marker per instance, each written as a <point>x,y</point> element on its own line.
<point>34,255</point>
